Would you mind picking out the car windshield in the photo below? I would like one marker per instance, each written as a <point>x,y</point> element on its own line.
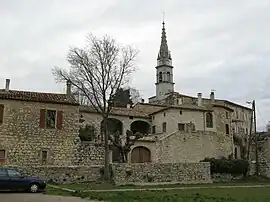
<point>13,173</point>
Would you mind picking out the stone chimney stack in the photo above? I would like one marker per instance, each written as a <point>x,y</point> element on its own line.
<point>68,87</point>
<point>7,84</point>
<point>212,96</point>
<point>199,99</point>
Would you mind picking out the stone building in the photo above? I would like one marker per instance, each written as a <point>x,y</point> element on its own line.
<point>37,128</point>
<point>43,128</point>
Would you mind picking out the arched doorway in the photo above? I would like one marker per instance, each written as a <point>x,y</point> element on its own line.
<point>115,130</point>
<point>140,155</point>
<point>140,126</point>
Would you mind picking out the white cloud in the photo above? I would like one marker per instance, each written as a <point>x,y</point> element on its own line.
<point>221,45</point>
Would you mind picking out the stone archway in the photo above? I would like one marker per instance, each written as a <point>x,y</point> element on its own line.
<point>140,126</point>
<point>140,155</point>
<point>114,126</point>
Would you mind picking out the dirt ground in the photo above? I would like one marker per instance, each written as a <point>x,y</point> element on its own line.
<point>27,197</point>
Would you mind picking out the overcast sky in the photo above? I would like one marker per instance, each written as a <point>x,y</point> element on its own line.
<point>221,45</point>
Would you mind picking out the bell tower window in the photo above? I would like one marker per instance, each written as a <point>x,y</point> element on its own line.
<point>168,76</point>
<point>160,77</point>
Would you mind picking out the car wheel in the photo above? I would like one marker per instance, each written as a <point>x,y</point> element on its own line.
<point>33,188</point>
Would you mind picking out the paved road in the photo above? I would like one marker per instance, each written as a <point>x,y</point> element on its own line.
<point>25,197</point>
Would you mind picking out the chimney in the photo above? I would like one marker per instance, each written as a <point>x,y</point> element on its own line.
<point>68,87</point>
<point>199,99</point>
<point>212,96</point>
<point>7,84</point>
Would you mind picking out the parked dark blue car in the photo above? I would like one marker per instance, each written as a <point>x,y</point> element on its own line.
<point>12,179</point>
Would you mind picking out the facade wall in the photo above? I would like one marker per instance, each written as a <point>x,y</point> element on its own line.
<point>174,116</point>
<point>145,173</point>
<point>96,119</point>
<point>64,174</point>
<point>23,139</point>
<point>188,147</point>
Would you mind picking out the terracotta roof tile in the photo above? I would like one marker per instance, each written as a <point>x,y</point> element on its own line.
<point>118,111</point>
<point>37,97</point>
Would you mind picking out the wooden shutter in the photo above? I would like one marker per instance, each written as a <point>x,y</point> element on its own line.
<point>1,113</point>
<point>59,119</point>
<point>42,118</point>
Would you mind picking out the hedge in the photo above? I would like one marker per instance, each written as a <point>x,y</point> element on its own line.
<point>224,165</point>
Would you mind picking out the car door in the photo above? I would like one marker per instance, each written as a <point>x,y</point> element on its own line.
<point>4,179</point>
<point>16,181</point>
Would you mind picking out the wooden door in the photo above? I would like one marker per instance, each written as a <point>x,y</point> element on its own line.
<point>140,155</point>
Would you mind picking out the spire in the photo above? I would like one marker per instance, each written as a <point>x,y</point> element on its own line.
<point>164,52</point>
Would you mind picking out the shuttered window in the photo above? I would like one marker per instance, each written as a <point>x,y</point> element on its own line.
<point>59,119</point>
<point>51,119</point>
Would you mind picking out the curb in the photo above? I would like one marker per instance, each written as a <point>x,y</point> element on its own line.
<point>161,189</point>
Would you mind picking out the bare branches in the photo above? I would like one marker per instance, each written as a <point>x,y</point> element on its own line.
<point>98,70</point>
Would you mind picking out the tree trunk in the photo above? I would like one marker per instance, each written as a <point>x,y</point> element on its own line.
<point>107,153</point>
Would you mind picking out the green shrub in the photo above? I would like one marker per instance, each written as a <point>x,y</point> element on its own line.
<point>224,165</point>
<point>87,133</point>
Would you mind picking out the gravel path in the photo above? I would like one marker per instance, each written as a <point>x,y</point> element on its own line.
<point>26,197</point>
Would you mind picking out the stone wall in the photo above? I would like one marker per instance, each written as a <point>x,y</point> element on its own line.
<point>63,174</point>
<point>225,177</point>
<point>188,147</point>
<point>144,173</point>
<point>89,153</point>
<point>24,140</point>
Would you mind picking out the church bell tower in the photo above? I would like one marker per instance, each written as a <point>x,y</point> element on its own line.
<point>164,69</point>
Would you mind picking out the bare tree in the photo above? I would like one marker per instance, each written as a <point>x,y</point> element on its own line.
<point>80,97</point>
<point>98,71</point>
<point>125,148</point>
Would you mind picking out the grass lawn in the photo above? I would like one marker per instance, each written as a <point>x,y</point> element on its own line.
<point>106,186</point>
<point>194,195</point>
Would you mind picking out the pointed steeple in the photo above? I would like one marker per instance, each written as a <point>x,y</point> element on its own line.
<point>164,52</point>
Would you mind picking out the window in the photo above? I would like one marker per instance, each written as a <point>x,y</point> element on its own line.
<point>44,157</point>
<point>3,172</point>
<point>164,127</point>
<point>168,76</point>
<point>227,128</point>
<point>181,126</point>
<point>235,153</point>
<point>177,101</point>
<point>153,117</point>
<point>50,119</point>
<point>209,120</point>
<point>227,115</point>
<point>1,113</point>
<point>160,76</point>
<point>2,154</point>
<point>236,115</point>
<point>164,114</point>
<point>246,131</point>
<point>181,112</point>
<point>131,117</point>
<point>13,173</point>
<point>153,129</point>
